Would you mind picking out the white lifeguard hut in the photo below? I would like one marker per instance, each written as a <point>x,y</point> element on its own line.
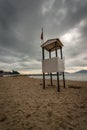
<point>53,64</point>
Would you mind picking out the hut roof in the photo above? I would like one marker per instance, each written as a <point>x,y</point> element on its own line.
<point>52,44</point>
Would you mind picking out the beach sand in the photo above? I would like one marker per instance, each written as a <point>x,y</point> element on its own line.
<point>24,105</point>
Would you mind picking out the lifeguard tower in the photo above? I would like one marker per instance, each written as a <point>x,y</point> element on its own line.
<point>53,64</point>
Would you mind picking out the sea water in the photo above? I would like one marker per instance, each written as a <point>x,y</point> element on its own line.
<point>76,77</point>
<point>73,77</point>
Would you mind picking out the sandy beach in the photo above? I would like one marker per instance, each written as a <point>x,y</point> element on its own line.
<point>24,105</point>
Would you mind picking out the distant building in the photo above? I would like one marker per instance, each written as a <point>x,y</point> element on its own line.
<point>2,72</point>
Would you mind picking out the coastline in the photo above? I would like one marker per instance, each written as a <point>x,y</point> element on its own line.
<point>24,105</point>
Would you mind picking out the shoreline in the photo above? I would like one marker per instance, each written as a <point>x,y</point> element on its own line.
<point>71,77</point>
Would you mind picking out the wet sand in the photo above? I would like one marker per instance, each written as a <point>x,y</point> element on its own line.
<point>24,105</point>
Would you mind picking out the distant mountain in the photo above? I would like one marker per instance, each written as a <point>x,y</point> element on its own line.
<point>82,71</point>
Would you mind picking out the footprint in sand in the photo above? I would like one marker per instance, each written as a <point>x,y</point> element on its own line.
<point>3,117</point>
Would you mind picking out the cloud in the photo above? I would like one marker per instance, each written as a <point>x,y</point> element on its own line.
<point>20,27</point>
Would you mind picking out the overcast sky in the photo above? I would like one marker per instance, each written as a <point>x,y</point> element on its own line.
<point>20,29</point>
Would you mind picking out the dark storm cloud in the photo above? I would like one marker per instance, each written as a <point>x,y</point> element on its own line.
<point>66,14</point>
<point>7,14</point>
<point>17,28</point>
<point>20,28</point>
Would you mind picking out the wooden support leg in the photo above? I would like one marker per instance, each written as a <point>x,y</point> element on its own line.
<point>51,79</point>
<point>43,80</point>
<point>63,79</point>
<point>58,86</point>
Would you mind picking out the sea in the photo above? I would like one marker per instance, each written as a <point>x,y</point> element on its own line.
<point>72,77</point>
<point>68,76</point>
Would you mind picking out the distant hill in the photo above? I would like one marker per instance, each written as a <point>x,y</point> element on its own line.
<point>82,71</point>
